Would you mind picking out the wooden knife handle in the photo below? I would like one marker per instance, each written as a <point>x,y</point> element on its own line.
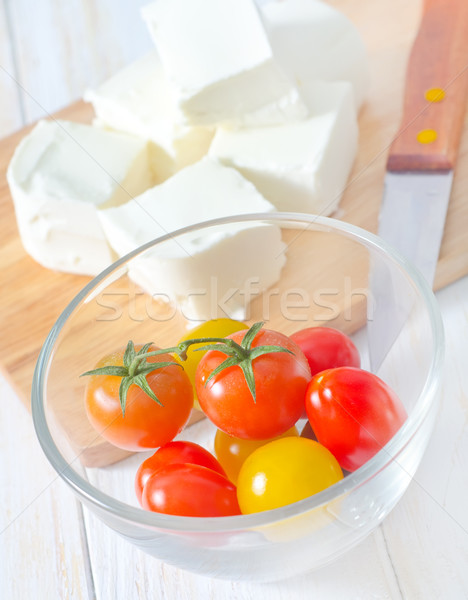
<point>436,91</point>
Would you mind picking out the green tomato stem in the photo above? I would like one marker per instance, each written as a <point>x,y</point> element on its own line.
<point>181,351</point>
<point>136,366</point>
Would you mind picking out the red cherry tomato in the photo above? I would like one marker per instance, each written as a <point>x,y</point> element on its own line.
<point>353,413</point>
<point>191,491</point>
<point>326,348</point>
<point>179,452</point>
<point>146,424</point>
<point>281,380</point>
<point>213,328</point>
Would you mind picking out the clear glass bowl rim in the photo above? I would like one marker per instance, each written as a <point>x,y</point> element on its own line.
<point>92,495</point>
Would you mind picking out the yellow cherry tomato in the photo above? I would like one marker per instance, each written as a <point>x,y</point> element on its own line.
<point>285,471</point>
<point>213,328</point>
<point>232,452</point>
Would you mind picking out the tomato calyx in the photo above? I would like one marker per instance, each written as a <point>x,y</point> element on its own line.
<point>136,367</point>
<point>134,371</point>
<point>241,355</point>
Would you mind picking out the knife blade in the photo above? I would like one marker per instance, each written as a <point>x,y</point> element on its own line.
<point>422,158</point>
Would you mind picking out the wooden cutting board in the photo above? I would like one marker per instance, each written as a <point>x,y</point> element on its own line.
<point>32,297</point>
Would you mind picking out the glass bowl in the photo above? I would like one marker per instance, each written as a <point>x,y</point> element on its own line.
<point>291,271</point>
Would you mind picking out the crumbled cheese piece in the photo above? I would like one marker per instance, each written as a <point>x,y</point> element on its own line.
<point>60,176</point>
<point>208,273</point>
<point>313,41</point>
<point>302,166</point>
<point>218,57</point>
<point>139,100</point>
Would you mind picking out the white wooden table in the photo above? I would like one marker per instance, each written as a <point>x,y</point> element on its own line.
<point>50,50</point>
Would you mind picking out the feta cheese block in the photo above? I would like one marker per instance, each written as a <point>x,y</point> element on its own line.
<point>218,57</point>
<point>312,40</point>
<point>60,176</point>
<point>300,166</point>
<point>207,273</point>
<point>139,100</point>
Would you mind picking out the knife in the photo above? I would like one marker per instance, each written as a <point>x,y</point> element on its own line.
<point>422,157</point>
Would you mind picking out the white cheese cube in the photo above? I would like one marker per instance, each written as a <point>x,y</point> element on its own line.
<point>219,59</point>
<point>312,40</point>
<point>60,175</point>
<point>300,166</point>
<point>210,274</point>
<point>139,100</point>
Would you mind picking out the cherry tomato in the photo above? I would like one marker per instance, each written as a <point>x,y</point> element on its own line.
<point>285,471</point>
<point>281,380</point>
<point>179,452</point>
<point>214,328</point>
<point>353,413</point>
<point>232,452</point>
<point>146,424</point>
<point>326,348</point>
<point>190,490</point>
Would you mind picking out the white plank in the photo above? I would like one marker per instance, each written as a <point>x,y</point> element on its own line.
<point>41,542</point>
<point>120,572</point>
<point>428,532</point>
<point>10,109</point>
<point>64,47</point>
